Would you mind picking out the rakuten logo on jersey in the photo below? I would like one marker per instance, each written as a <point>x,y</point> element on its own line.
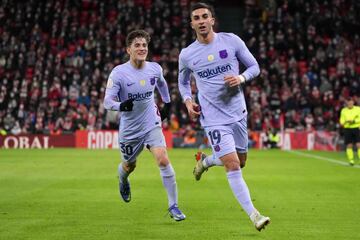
<point>139,96</point>
<point>210,73</point>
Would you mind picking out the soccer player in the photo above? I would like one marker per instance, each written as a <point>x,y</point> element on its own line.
<point>350,121</point>
<point>213,60</point>
<point>130,90</point>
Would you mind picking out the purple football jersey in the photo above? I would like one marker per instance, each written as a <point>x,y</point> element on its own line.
<point>125,82</point>
<point>209,63</point>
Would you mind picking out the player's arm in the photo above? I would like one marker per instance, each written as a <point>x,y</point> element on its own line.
<point>357,116</point>
<point>185,88</point>
<point>163,89</point>
<point>245,57</point>
<point>111,100</point>
<point>342,118</point>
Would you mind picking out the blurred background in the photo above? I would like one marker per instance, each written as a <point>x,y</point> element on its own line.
<point>56,55</point>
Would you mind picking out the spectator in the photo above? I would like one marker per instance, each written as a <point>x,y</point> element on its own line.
<point>59,60</point>
<point>9,122</point>
<point>189,138</point>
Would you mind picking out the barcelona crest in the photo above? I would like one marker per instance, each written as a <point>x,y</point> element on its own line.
<point>223,53</point>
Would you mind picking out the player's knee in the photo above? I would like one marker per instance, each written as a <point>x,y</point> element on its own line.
<point>129,167</point>
<point>132,167</point>
<point>232,165</point>
<point>163,160</point>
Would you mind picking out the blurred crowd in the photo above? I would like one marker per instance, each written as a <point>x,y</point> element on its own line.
<point>55,57</point>
<point>309,55</point>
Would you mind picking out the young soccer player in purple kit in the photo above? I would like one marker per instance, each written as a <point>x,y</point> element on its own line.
<point>130,90</point>
<point>213,60</point>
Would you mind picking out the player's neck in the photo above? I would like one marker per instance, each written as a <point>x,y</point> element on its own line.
<point>206,39</point>
<point>137,64</point>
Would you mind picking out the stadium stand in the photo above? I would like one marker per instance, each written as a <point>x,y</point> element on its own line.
<point>309,55</point>
<point>55,57</point>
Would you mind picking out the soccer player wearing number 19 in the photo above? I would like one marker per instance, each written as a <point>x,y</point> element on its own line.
<point>213,60</point>
<point>130,90</point>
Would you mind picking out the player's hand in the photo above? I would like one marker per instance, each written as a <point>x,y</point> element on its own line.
<point>165,111</point>
<point>193,108</point>
<point>233,81</point>
<point>127,106</point>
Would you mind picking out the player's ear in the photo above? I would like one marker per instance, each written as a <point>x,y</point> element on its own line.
<point>191,24</point>
<point>128,50</point>
<point>212,21</point>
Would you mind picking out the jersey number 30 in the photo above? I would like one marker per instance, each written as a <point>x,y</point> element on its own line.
<point>126,149</point>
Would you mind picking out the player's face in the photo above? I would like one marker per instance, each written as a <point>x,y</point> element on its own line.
<point>350,103</point>
<point>138,49</point>
<point>202,21</point>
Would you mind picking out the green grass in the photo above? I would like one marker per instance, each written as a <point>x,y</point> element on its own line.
<point>73,194</point>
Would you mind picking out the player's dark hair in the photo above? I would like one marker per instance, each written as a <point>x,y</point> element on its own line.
<point>350,98</point>
<point>137,34</point>
<point>202,5</point>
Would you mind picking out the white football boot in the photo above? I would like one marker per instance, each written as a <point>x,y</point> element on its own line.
<point>259,220</point>
<point>199,167</point>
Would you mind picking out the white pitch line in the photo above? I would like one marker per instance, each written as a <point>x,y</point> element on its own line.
<point>323,158</point>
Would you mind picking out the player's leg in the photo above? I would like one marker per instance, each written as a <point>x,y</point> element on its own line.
<point>129,150</point>
<point>350,153</point>
<point>242,158</point>
<point>125,168</point>
<point>241,190</point>
<point>204,162</point>
<point>349,138</point>
<point>167,173</point>
<point>241,140</point>
<point>241,144</point>
<point>124,171</point>
<point>236,181</point>
<point>223,145</point>
<point>155,141</point>
<point>357,138</point>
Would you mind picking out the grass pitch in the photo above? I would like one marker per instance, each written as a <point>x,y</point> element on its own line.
<point>73,194</point>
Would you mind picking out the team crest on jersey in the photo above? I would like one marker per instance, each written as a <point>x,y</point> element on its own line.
<point>217,148</point>
<point>210,57</point>
<point>153,80</point>
<point>110,83</point>
<point>223,54</point>
<point>142,82</point>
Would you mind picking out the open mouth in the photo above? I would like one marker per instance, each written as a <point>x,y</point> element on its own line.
<point>202,27</point>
